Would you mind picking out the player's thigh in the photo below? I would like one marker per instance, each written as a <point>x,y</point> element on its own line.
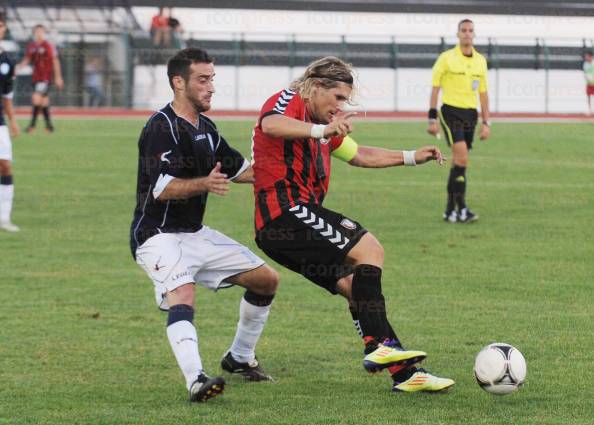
<point>460,154</point>
<point>221,259</point>
<point>312,241</point>
<point>470,121</point>
<point>166,264</point>
<point>367,251</point>
<point>5,148</point>
<point>263,280</point>
<point>183,294</point>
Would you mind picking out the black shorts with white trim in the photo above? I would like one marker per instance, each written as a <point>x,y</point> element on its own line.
<point>313,241</point>
<point>458,124</point>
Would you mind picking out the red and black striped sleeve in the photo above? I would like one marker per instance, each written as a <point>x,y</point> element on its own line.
<point>286,102</point>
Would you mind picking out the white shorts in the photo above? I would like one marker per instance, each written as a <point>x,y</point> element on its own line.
<point>5,144</point>
<point>207,257</point>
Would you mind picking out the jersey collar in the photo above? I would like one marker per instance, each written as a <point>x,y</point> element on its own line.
<point>459,52</point>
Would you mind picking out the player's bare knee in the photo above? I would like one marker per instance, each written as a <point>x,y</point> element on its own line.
<point>271,280</point>
<point>461,161</point>
<point>181,295</point>
<point>374,250</point>
<point>5,168</point>
<point>367,251</point>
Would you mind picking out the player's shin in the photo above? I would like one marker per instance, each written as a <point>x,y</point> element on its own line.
<point>184,341</point>
<point>451,206</point>
<point>6,196</point>
<point>391,336</point>
<point>369,304</point>
<point>46,116</point>
<point>34,113</point>
<point>459,186</point>
<point>253,313</point>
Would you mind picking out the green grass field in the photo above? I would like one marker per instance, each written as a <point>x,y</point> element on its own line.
<point>81,340</point>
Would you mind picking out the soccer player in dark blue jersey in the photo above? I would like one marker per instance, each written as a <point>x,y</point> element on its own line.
<point>6,91</point>
<point>183,157</point>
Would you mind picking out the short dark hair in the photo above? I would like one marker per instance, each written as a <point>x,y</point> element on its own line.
<point>179,65</point>
<point>588,53</point>
<point>39,26</point>
<point>463,21</point>
<point>2,17</point>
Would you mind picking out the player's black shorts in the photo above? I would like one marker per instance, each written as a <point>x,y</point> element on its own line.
<point>41,87</point>
<point>458,124</point>
<point>312,241</point>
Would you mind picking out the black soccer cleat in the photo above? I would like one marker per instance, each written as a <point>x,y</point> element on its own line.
<point>250,371</point>
<point>205,387</point>
<point>50,128</point>
<point>467,216</point>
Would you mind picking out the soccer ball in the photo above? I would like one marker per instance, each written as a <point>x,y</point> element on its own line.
<point>500,368</point>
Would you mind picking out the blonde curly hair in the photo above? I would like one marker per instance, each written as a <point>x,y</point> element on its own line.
<point>326,72</point>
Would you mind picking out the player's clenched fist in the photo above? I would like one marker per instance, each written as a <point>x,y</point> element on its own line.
<point>340,125</point>
<point>428,153</point>
<point>433,128</point>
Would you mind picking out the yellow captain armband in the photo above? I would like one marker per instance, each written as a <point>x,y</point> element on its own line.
<point>347,149</point>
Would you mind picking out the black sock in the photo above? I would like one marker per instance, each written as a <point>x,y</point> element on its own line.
<point>257,299</point>
<point>46,115</point>
<point>369,304</point>
<point>451,201</point>
<point>459,186</point>
<point>180,312</point>
<point>391,333</point>
<point>34,114</point>
<point>356,320</point>
<point>403,374</point>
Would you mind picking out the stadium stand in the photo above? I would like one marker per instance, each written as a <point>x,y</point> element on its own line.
<point>83,29</point>
<point>537,8</point>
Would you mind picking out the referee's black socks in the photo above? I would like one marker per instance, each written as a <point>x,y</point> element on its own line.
<point>457,188</point>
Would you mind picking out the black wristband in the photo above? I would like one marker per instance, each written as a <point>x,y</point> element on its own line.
<point>432,114</point>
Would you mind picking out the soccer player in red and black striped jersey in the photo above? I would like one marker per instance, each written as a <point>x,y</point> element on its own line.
<point>43,56</point>
<point>298,131</point>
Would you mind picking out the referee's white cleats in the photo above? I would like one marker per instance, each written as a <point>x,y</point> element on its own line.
<point>9,227</point>
<point>451,216</point>
<point>467,216</point>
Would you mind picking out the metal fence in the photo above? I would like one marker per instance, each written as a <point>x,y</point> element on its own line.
<point>108,60</point>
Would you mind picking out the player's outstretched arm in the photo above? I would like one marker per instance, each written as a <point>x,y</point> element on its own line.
<point>371,157</point>
<point>278,125</point>
<point>216,182</point>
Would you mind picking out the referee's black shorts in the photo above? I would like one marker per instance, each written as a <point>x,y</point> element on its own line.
<point>458,124</point>
<point>312,241</point>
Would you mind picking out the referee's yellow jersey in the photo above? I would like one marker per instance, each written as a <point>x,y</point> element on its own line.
<point>460,77</point>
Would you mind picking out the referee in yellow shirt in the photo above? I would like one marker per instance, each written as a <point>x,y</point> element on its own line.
<point>460,72</point>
